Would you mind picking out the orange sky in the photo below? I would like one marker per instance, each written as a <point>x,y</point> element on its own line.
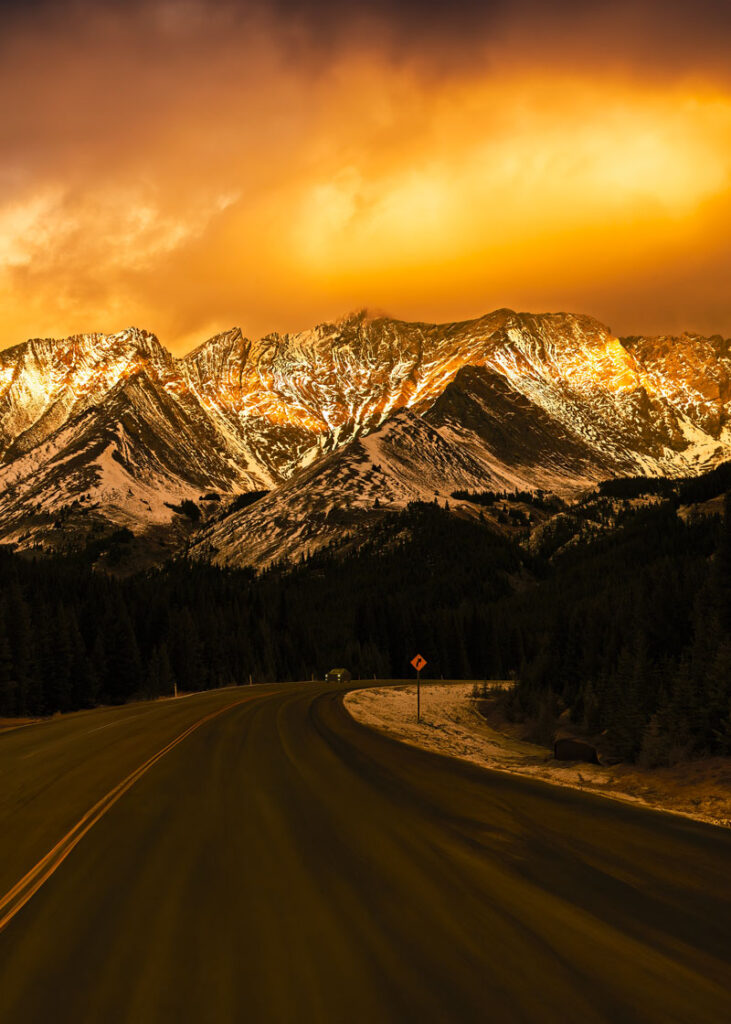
<point>188,167</point>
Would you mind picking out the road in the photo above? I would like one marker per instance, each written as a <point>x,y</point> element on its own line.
<point>284,864</point>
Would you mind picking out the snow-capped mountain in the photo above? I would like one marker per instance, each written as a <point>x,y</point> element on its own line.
<point>104,429</point>
<point>332,420</point>
<point>403,460</point>
<point>633,401</point>
<point>551,402</point>
<point>44,382</point>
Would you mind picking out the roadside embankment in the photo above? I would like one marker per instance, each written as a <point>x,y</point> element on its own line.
<point>452,725</point>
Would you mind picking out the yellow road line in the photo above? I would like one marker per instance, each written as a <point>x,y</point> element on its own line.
<point>18,896</point>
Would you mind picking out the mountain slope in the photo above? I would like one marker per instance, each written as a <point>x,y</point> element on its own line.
<point>309,392</point>
<point>46,382</point>
<point>122,462</point>
<point>551,401</point>
<point>404,460</point>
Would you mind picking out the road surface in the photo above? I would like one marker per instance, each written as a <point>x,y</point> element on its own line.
<point>283,863</point>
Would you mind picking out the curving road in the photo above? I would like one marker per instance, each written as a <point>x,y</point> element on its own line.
<point>284,864</point>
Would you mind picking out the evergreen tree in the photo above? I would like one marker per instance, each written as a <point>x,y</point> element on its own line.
<point>8,684</point>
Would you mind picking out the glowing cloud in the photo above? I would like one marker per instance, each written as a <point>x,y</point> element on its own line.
<point>187,168</point>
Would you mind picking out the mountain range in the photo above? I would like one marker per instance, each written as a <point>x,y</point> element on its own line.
<point>339,424</point>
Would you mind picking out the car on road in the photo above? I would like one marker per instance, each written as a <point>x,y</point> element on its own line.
<point>338,675</point>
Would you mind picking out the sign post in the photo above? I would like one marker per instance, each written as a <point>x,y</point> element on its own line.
<point>418,662</point>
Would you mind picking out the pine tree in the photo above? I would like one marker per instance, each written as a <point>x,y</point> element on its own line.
<point>29,697</point>
<point>714,738</point>
<point>656,746</point>
<point>625,719</point>
<point>722,570</point>
<point>123,664</point>
<point>8,685</point>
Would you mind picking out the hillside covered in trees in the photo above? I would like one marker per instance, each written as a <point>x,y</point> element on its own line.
<point>630,630</point>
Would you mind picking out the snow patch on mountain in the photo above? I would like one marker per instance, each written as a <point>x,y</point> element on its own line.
<point>348,417</point>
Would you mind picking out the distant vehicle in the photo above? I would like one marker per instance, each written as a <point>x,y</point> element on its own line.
<point>338,675</point>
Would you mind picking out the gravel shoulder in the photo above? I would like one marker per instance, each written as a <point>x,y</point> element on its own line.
<point>452,725</point>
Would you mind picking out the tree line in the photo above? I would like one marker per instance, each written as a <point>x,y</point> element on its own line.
<point>632,634</point>
<point>629,631</point>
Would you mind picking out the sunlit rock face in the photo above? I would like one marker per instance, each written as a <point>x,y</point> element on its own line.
<point>323,387</point>
<point>628,400</point>
<point>45,382</point>
<point>413,411</point>
<point>692,373</point>
<point>104,429</point>
<point>368,408</point>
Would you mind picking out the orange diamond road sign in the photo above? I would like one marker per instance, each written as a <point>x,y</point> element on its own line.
<point>418,662</point>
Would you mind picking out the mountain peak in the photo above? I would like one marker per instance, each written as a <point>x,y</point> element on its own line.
<point>508,399</point>
<point>364,315</point>
<point>223,340</point>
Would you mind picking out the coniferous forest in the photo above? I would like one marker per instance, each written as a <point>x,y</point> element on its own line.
<point>629,630</point>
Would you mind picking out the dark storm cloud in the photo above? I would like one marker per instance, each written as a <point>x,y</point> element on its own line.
<point>675,37</point>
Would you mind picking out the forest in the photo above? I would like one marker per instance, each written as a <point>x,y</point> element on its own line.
<point>630,631</point>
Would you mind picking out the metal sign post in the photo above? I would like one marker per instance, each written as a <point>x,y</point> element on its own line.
<point>418,662</point>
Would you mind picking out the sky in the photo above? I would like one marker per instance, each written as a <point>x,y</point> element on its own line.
<point>189,166</point>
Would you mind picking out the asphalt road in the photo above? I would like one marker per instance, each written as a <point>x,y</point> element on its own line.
<point>283,863</point>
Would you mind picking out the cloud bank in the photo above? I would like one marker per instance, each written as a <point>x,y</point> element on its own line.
<point>188,166</point>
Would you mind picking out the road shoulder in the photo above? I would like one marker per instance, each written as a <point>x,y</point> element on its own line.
<point>451,725</point>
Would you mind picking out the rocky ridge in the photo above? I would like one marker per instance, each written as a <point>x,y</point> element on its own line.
<point>333,420</point>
